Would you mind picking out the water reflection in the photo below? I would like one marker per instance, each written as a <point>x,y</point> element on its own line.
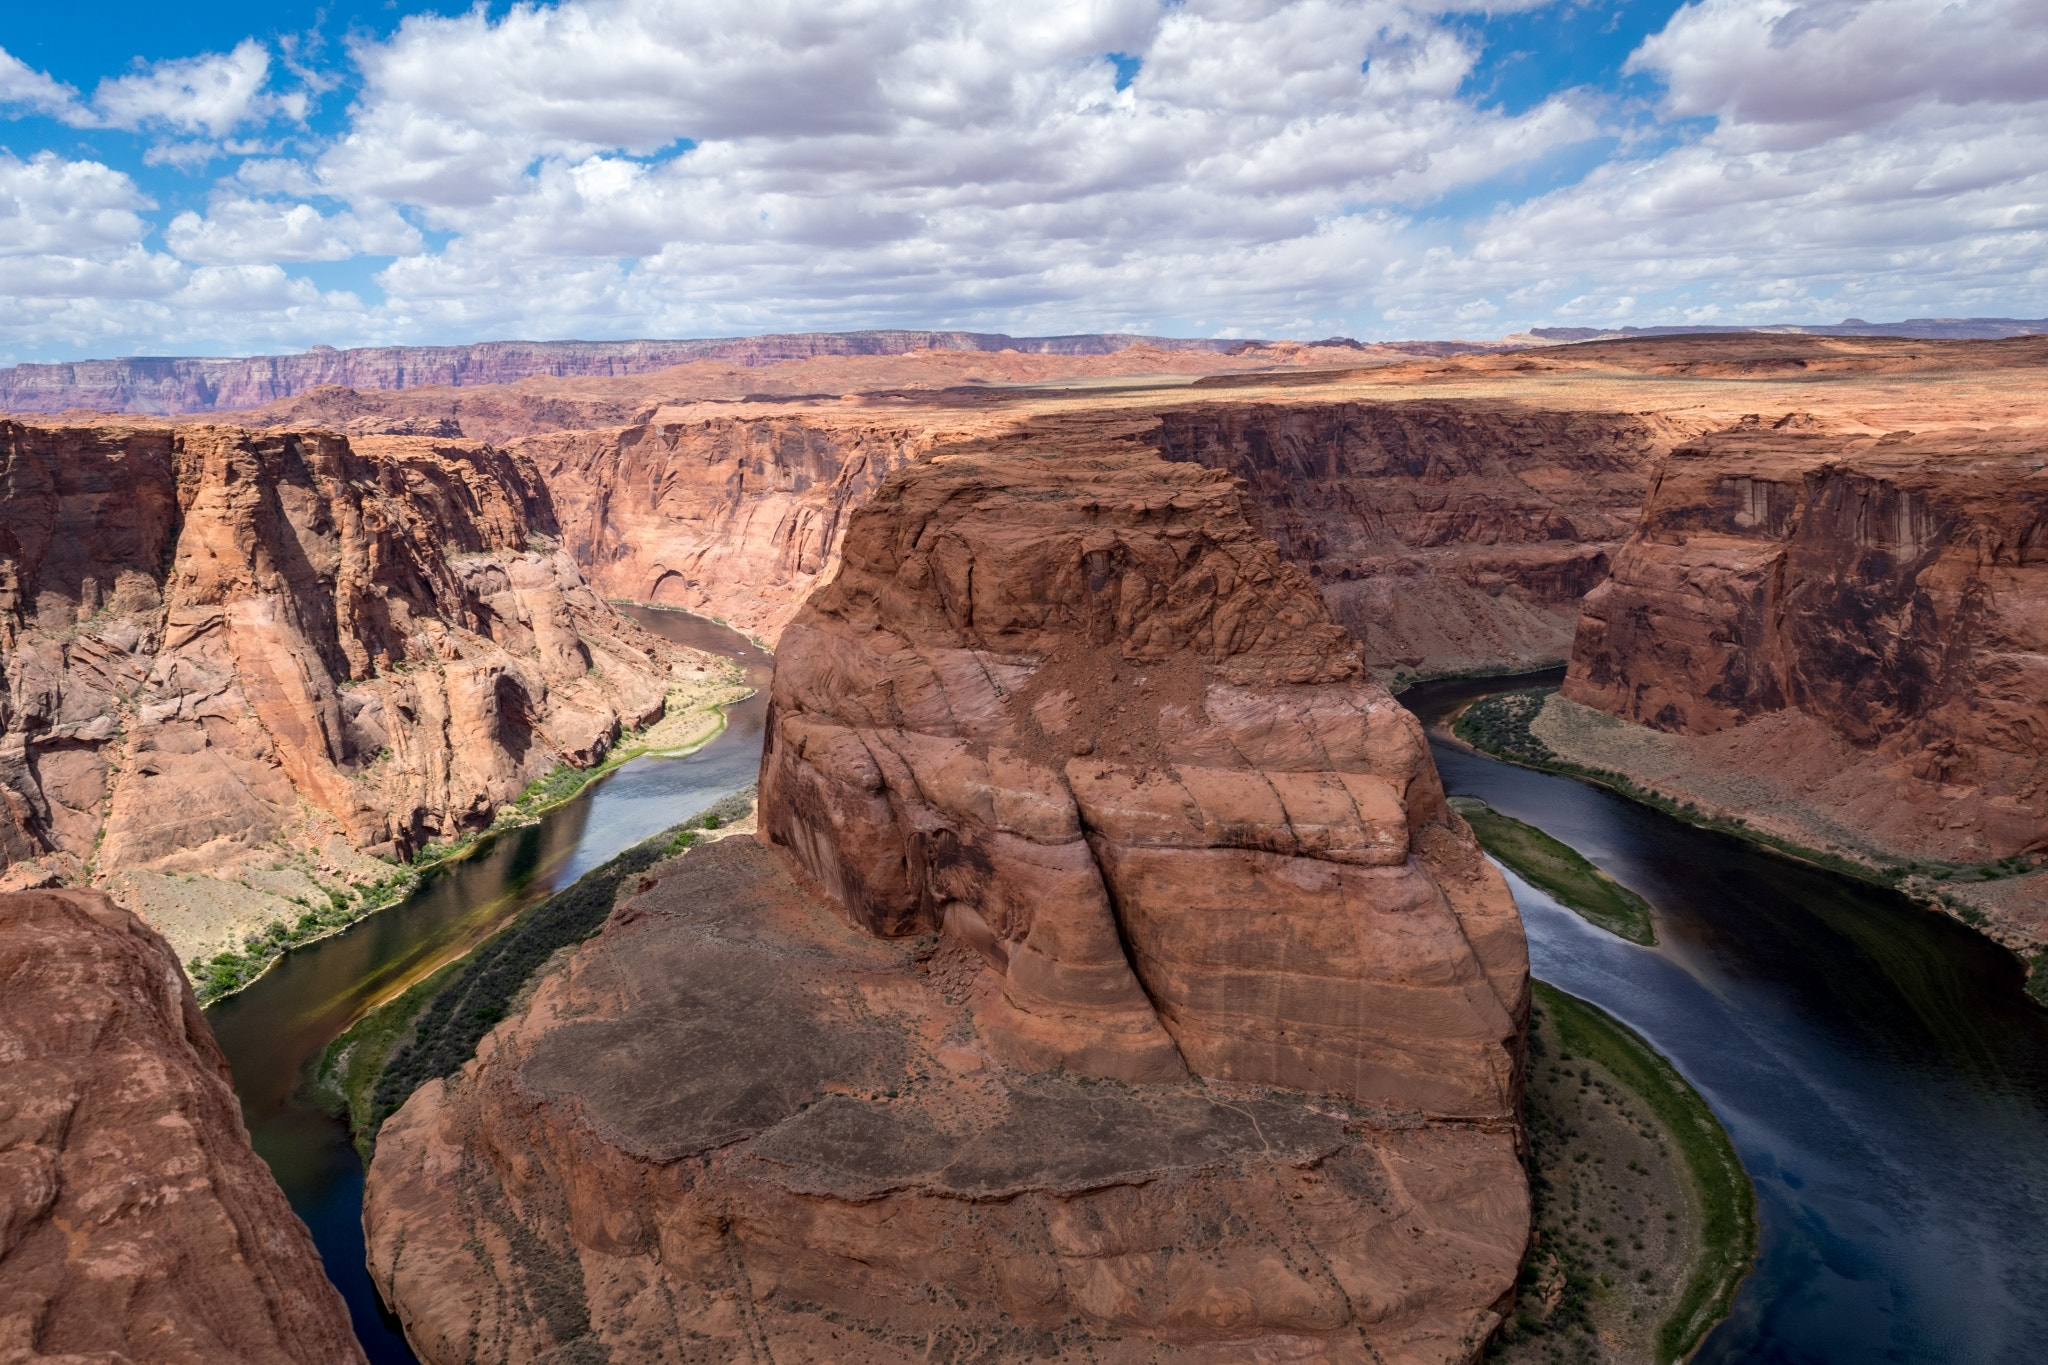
<point>1883,1076</point>
<point>274,1028</point>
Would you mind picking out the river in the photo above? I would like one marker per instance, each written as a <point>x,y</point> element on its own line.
<point>273,1029</point>
<point>1882,1074</point>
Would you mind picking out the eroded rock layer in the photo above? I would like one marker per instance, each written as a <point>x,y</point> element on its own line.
<point>1860,613</point>
<point>225,646</point>
<point>1447,536</point>
<point>1076,712</point>
<point>136,1224</point>
<point>735,1128</point>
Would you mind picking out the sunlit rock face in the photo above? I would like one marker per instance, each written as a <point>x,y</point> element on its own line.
<point>136,1223</point>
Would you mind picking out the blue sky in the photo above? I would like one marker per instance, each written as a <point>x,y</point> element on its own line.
<point>239,178</point>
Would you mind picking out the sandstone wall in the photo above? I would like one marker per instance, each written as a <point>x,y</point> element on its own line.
<point>1076,712</point>
<point>136,1224</point>
<point>737,518</point>
<point>1883,591</point>
<point>1447,536</point>
<point>223,646</point>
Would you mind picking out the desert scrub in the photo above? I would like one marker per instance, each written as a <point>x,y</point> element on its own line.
<point>1561,870</point>
<point>432,1029</point>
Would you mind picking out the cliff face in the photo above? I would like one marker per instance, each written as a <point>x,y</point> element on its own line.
<point>1076,712</point>
<point>222,646</point>
<point>136,1223</point>
<point>1446,536</point>
<point>1882,591</point>
<point>730,517</point>
<point>1075,787</point>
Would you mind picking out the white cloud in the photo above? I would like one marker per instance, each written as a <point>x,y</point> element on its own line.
<point>32,90</point>
<point>211,95</point>
<point>647,167</point>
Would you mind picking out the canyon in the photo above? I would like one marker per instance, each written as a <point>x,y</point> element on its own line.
<point>136,1223</point>
<point>250,670</point>
<point>1111,980</point>
<point>1080,667</point>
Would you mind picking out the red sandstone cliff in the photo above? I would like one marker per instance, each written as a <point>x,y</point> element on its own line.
<point>1446,536</point>
<point>1092,788</point>
<point>136,1224</point>
<point>1867,609</point>
<point>223,645</point>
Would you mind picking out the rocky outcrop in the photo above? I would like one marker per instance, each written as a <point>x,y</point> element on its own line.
<point>1123,989</point>
<point>223,647</point>
<point>166,384</point>
<point>736,1128</point>
<point>1871,602</point>
<point>136,1224</point>
<point>1077,713</point>
<point>1446,536</point>
<point>735,518</point>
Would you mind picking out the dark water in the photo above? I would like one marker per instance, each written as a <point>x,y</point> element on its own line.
<point>1883,1076</point>
<point>273,1029</point>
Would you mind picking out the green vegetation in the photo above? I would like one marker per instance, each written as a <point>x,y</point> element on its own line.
<point>432,1029</point>
<point>227,972</point>
<point>560,785</point>
<point>1560,870</point>
<point>1499,725</point>
<point>2037,976</point>
<point>1727,1201</point>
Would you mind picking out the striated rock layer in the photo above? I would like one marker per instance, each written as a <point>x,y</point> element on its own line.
<point>1123,990</point>
<point>1446,536</point>
<point>224,646</point>
<point>136,1224</point>
<point>1078,713</point>
<point>1859,614</point>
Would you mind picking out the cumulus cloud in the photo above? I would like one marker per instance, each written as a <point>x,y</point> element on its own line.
<point>212,95</point>
<point>640,167</point>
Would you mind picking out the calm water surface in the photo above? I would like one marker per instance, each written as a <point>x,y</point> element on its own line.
<point>1882,1074</point>
<point>273,1029</point>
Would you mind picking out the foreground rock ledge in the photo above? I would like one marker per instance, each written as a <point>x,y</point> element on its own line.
<point>136,1223</point>
<point>735,1128</point>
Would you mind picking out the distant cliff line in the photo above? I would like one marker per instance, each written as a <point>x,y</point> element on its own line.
<point>164,385</point>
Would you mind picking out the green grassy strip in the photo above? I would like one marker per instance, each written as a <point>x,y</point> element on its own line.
<point>1499,725</point>
<point>219,976</point>
<point>1727,1200</point>
<point>1561,870</point>
<point>431,1032</point>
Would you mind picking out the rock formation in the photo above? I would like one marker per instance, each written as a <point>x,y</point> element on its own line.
<point>223,646</point>
<point>1077,791</point>
<point>1447,536</point>
<point>1859,614</point>
<point>136,1224</point>
<point>1077,713</point>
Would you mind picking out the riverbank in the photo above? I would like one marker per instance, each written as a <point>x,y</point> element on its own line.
<point>1644,1220</point>
<point>433,1027</point>
<point>2006,901</point>
<point>692,718</point>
